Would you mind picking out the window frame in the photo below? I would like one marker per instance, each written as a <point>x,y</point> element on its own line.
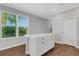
<point>17,27</point>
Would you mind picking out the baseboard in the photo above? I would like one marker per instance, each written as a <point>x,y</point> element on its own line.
<point>77,47</point>
<point>11,46</point>
<point>27,52</point>
<point>58,42</point>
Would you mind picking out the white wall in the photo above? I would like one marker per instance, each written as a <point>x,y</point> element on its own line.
<point>57,22</point>
<point>37,25</point>
<point>70,31</point>
<point>57,26</point>
<point>11,42</point>
<point>78,33</point>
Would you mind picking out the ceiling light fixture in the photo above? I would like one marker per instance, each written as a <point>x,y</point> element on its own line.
<point>54,9</point>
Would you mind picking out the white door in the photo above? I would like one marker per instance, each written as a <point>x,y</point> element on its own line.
<point>70,32</point>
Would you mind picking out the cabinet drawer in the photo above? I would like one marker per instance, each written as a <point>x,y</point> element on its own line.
<point>44,44</point>
<point>49,43</point>
<point>42,49</point>
<point>41,46</point>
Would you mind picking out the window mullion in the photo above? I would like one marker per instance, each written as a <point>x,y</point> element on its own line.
<point>17,31</point>
<point>0,26</point>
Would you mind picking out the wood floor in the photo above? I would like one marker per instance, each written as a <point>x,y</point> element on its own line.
<point>63,50</point>
<point>58,50</point>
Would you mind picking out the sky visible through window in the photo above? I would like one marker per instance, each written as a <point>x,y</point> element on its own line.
<point>8,23</point>
<point>22,22</point>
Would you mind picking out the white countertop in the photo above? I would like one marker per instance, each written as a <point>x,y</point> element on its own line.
<point>39,35</point>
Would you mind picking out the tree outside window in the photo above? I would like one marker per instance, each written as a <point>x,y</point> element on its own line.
<point>8,25</point>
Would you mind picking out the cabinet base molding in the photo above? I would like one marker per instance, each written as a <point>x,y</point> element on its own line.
<point>58,42</point>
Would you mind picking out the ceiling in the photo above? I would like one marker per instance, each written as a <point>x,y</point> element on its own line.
<point>44,10</point>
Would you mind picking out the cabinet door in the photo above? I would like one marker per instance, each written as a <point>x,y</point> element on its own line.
<point>49,43</point>
<point>32,46</point>
<point>70,32</point>
<point>41,46</point>
<point>52,37</point>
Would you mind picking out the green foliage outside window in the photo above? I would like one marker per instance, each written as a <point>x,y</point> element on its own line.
<point>22,31</point>
<point>8,25</point>
<point>22,22</point>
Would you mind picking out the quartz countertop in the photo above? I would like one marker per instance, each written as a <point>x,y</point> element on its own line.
<point>38,35</point>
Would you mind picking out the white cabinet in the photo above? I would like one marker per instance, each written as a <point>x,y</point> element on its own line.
<point>71,32</point>
<point>40,44</point>
<point>66,30</point>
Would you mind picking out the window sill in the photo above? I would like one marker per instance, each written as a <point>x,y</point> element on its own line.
<point>12,37</point>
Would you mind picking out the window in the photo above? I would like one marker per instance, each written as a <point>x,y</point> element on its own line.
<point>8,25</point>
<point>12,25</point>
<point>23,25</point>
